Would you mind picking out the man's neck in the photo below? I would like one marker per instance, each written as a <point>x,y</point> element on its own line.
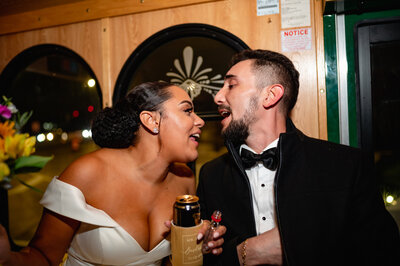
<point>265,131</point>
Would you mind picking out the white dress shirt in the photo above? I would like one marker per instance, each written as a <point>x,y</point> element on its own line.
<point>262,191</point>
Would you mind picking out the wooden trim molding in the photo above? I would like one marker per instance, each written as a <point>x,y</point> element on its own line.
<point>320,63</point>
<point>78,11</point>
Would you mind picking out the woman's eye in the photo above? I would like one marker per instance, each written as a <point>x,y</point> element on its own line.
<point>189,110</point>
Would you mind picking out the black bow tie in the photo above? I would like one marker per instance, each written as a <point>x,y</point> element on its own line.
<point>269,158</point>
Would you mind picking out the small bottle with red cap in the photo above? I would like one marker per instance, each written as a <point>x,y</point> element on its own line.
<point>215,220</point>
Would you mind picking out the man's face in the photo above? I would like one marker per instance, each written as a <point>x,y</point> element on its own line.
<point>238,102</point>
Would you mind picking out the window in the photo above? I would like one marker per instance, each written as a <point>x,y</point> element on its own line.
<point>64,95</point>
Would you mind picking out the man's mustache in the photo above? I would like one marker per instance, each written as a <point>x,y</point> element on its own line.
<point>224,107</point>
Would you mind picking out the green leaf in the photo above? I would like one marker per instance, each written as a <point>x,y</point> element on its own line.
<point>21,120</point>
<point>29,186</point>
<point>31,163</point>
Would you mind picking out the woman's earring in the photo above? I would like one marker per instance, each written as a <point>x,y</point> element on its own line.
<point>155,130</point>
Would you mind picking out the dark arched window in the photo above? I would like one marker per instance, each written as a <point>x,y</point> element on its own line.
<point>63,93</point>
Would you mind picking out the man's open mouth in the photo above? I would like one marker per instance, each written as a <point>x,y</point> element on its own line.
<point>224,112</point>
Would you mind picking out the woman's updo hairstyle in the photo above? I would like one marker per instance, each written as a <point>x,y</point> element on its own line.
<point>117,126</point>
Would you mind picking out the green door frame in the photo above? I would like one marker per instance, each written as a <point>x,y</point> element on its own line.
<point>340,77</point>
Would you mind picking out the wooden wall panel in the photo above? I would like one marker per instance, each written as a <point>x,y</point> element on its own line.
<point>84,38</point>
<point>238,17</point>
<point>106,44</point>
<point>31,15</point>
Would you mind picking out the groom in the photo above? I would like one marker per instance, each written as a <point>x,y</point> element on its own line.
<point>287,198</point>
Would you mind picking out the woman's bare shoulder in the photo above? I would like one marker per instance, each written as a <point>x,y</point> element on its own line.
<point>84,170</point>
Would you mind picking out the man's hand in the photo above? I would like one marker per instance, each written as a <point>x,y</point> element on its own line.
<point>215,245</point>
<point>263,249</point>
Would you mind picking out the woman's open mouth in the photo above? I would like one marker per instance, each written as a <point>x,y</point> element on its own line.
<point>195,137</point>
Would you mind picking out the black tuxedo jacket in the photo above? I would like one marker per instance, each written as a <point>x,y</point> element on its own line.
<point>329,210</point>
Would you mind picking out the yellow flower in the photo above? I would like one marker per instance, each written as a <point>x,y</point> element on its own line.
<point>7,129</point>
<point>1,144</point>
<point>4,170</point>
<point>19,145</point>
<point>29,146</point>
<point>3,155</point>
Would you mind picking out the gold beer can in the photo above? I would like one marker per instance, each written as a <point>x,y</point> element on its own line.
<point>187,211</point>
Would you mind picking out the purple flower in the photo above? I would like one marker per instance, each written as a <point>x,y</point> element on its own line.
<point>5,112</point>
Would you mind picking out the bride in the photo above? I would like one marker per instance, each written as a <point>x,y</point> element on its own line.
<point>109,207</point>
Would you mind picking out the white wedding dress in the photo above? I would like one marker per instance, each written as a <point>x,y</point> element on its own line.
<point>99,240</point>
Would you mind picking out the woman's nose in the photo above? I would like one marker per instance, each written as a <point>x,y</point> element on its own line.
<point>198,121</point>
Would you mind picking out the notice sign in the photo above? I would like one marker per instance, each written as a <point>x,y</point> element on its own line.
<point>296,39</point>
<point>267,7</point>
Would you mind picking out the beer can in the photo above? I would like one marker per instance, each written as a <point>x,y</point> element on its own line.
<point>187,211</point>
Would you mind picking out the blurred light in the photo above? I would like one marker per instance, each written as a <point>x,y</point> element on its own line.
<point>91,83</point>
<point>50,136</point>
<point>75,113</point>
<point>86,133</point>
<point>90,108</point>
<point>47,125</point>
<point>389,199</point>
<point>64,136</point>
<point>41,137</point>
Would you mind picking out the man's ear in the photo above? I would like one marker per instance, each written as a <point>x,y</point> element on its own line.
<point>272,95</point>
<point>150,120</point>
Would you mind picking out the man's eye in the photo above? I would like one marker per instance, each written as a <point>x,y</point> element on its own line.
<point>230,86</point>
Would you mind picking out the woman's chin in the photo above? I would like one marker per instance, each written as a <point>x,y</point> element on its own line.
<point>193,157</point>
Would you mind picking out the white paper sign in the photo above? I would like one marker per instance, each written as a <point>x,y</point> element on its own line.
<point>296,39</point>
<point>267,7</point>
<point>295,13</point>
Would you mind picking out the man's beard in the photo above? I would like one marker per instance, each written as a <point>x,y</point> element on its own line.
<point>238,130</point>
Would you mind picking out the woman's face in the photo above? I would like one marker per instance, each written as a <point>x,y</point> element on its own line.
<point>180,127</point>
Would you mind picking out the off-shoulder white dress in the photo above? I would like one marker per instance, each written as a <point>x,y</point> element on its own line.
<point>99,240</point>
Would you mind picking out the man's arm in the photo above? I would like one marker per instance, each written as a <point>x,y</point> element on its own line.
<point>263,249</point>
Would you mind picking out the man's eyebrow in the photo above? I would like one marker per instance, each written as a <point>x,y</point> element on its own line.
<point>186,101</point>
<point>229,76</point>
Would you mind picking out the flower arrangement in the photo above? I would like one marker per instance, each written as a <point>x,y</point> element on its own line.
<point>16,148</point>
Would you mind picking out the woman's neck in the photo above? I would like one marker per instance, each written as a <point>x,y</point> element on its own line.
<point>148,162</point>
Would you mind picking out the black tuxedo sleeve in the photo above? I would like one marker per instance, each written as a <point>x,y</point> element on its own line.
<point>207,193</point>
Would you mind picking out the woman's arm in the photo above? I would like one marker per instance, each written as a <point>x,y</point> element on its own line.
<point>48,246</point>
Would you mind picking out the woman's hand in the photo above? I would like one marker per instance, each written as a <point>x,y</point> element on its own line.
<point>5,250</point>
<point>215,245</point>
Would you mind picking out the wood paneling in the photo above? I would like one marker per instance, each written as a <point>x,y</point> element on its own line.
<point>107,43</point>
<point>319,50</point>
<point>46,13</point>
